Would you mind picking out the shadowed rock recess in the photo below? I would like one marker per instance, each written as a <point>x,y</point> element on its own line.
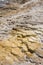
<point>21,32</point>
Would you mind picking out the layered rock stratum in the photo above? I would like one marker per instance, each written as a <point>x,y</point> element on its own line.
<point>21,32</point>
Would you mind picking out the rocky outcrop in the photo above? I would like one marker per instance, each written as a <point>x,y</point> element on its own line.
<point>21,33</point>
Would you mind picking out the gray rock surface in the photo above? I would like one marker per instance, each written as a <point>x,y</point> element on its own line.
<point>28,17</point>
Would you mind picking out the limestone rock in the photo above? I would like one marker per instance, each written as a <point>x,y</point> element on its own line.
<point>39,52</point>
<point>21,32</point>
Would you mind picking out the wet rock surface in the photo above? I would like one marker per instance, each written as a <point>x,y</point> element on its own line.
<point>21,33</point>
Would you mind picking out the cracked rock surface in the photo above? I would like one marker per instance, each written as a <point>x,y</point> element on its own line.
<point>21,32</point>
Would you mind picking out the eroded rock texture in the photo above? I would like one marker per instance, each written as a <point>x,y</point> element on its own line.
<point>21,32</point>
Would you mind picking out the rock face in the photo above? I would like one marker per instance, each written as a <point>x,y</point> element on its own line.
<point>21,33</point>
<point>19,1</point>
